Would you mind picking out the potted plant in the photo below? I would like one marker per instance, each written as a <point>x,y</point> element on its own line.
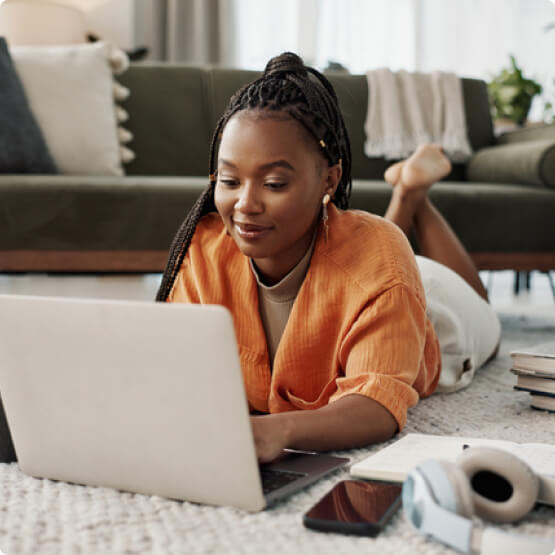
<point>511,94</point>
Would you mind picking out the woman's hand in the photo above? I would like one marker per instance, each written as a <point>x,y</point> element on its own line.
<point>271,435</point>
<point>352,421</point>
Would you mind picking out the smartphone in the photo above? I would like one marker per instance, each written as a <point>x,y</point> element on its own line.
<point>355,507</point>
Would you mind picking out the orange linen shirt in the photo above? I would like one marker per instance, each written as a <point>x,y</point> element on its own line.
<point>358,324</point>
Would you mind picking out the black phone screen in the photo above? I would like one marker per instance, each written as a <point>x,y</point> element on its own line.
<point>355,502</point>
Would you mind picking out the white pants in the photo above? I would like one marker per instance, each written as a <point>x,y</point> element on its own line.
<point>466,325</point>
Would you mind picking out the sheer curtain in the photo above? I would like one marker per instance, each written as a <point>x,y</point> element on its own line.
<point>470,37</point>
<point>195,31</point>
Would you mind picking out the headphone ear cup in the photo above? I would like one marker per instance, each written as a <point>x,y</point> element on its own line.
<point>459,482</point>
<point>504,488</point>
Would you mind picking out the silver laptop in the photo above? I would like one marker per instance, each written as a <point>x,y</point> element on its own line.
<point>140,396</point>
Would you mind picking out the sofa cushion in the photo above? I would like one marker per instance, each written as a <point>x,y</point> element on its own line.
<point>169,119</point>
<point>93,213</point>
<point>192,99</point>
<point>143,213</point>
<point>71,92</point>
<point>22,145</point>
<point>487,217</point>
<point>527,162</point>
<point>536,132</point>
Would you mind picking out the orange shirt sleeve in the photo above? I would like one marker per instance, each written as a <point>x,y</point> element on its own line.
<point>391,353</point>
<point>184,289</point>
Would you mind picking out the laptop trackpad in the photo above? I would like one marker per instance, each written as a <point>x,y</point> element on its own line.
<point>294,470</point>
<point>305,462</point>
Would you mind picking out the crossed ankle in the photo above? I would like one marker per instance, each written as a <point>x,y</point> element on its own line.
<point>410,195</point>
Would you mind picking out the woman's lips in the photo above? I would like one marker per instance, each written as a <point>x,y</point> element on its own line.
<point>250,231</point>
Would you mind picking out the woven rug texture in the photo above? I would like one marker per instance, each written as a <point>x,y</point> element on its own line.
<point>46,517</point>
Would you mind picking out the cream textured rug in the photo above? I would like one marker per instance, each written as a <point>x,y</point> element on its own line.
<point>42,516</point>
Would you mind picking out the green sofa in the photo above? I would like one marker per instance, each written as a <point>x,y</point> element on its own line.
<point>501,204</point>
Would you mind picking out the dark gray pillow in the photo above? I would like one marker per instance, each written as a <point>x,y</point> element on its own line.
<point>527,163</point>
<point>22,145</point>
<point>7,450</point>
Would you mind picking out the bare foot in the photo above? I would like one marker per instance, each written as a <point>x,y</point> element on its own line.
<point>393,174</point>
<point>424,167</point>
<point>411,178</point>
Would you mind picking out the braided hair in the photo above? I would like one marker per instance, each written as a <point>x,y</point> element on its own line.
<point>287,87</point>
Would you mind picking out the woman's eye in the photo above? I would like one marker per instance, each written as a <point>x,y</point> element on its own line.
<point>229,182</point>
<point>275,185</point>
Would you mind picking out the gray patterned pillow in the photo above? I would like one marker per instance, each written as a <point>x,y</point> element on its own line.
<point>22,145</point>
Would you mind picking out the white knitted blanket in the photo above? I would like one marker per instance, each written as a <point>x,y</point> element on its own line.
<point>46,517</point>
<point>408,109</point>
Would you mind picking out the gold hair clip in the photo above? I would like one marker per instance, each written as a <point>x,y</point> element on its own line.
<point>322,143</point>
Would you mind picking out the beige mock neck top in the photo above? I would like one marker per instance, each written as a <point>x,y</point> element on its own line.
<point>276,301</point>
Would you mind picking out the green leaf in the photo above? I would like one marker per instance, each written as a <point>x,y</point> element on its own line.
<point>511,93</point>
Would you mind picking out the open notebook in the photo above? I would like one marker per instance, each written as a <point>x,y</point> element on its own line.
<point>395,461</point>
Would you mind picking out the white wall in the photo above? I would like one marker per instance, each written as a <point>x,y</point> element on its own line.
<point>476,37</point>
<point>130,23</point>
<point>114,21</point>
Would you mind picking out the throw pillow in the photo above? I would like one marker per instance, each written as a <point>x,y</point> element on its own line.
<point>22,145</point>
<point>526,162</point>
<point>71,92</point>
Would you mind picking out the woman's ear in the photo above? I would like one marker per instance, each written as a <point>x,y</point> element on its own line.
<point>333,178</point>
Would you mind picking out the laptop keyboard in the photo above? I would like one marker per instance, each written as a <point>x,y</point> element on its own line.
<point>275,479</point>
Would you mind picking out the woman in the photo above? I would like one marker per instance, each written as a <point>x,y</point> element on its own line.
<point>328,303</point>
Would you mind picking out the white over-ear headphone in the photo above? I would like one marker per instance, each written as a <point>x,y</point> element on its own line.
<point>440,498</point>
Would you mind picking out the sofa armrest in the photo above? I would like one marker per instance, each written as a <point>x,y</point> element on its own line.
<point>534,133</point>
<point>526,163</point>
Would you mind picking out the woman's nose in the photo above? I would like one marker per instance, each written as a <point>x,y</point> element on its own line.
<point>248,200</point>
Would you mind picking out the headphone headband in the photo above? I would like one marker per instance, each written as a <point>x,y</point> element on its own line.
<point>430,518</point>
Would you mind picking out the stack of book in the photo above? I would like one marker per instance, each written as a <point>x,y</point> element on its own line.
<point>535,371</point>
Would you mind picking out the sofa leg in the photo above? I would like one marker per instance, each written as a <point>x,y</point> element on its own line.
<point>521,281</point>
<point>551,283</point>
<point>489,285</point>
<point>516,282</point>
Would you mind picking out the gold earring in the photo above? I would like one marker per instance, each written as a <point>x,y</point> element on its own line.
<point>325,202</point>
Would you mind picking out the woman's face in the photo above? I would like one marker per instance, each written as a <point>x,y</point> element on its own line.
<point>271,181</point>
